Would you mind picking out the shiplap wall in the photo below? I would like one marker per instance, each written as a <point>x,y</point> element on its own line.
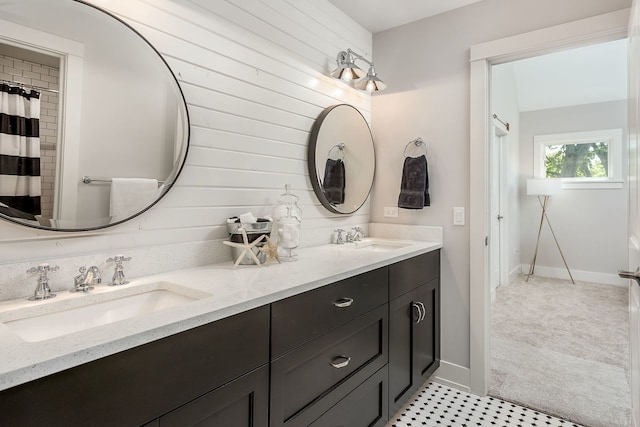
<point>255,76</point>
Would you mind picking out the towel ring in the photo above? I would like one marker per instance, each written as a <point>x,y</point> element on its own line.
<point>419,144</point>
<point>340,148</point>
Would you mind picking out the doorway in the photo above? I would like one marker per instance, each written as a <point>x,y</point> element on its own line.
<point>499,203</point>
<point>545,101</point>
<point>592,30</point>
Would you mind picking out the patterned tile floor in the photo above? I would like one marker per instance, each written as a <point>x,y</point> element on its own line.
<point>436,405</point>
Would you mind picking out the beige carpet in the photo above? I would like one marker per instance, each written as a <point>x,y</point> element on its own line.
<point>563,349</point>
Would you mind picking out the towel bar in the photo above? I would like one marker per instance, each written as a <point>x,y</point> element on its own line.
<point>89,179</point>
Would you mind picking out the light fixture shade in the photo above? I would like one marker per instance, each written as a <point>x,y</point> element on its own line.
<point>543,187</point>
<point>347,69</point>
<point>371,82</point>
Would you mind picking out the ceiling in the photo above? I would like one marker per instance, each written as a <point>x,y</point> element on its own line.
<point>380,15</point>
<point>586,75</point>
<point>574,77</point>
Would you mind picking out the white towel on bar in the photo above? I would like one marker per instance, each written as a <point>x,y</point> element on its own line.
<point>131,195</point>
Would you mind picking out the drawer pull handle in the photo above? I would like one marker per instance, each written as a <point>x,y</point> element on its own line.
<point>343,302</point>
<point>340,362</point>
<point>416,306</point>
<point>424,311</point>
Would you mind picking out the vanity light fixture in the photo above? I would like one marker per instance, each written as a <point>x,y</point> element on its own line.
<point>347,70</point>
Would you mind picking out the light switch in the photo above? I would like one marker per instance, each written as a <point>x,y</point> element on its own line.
<point>458,216</point>
<point>391,211</point>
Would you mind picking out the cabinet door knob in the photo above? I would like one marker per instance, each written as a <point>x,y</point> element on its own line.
<point>343,302</point>
<point>416,306</point>
<point>340,362</point>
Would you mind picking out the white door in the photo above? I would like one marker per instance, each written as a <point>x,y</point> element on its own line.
<point>634,208</point>
<point>498,233</point>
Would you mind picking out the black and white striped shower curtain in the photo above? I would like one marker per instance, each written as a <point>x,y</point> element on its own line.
<point>20,187</point>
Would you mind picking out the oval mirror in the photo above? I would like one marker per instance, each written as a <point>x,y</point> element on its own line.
<point>342,159</point>
<point>100,125</point>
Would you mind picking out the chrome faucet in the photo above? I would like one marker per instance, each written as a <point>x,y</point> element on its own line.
<point>118,274</point>
<point>358,233</point>
<point>42,291</point>
<point>355,235</point>
<point>339,240</point>
<point>87,278</point>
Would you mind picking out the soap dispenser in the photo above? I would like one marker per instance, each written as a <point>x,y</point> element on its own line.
<point>287,216</point>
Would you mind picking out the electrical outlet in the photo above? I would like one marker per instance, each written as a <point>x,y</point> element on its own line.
<point>391,211</point>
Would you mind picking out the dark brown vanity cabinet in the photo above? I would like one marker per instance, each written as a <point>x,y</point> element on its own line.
<point>146,383</point>
<point>330,346</point>
<point>414,325</point>
<point>346,354</point>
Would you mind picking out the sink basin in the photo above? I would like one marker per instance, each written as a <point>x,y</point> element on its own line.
<point>98,310</point>
<point>381,245</point>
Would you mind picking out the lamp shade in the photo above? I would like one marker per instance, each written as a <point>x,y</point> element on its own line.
<point>371,82</point>
<point>346,68</point>
<point>543,187</point>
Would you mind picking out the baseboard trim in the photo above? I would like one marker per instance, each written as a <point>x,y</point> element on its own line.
<point>452,375</point>
<point>515,273</point>
<point>584,276</point>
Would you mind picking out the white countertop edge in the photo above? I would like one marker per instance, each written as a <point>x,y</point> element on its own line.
<point>245,288</point>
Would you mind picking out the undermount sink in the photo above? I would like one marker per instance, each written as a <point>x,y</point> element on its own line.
<point>380,245</point>
<point>93,310</point>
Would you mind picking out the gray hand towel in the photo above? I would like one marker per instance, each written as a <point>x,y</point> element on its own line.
<point>414,189</point>
<point>333,183</point>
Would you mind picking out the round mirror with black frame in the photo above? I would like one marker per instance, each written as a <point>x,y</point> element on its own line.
<point>341,159</point>
<point>108,126</point>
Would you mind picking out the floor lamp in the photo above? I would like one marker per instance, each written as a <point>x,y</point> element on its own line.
<point>543,189</point>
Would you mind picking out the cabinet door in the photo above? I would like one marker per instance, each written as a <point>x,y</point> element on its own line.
<point>403,316</point>
<point>414,341</point>
<point>426,333</point>
<point>241,403</point>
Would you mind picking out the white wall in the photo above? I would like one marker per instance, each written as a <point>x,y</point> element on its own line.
<point>504,103</point>
<point>128,117</point>
<point>255,77</point>
<point>426,65</point>
<point>590,224</point>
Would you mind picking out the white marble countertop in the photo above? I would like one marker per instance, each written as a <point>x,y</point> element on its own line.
<point>231,291</point>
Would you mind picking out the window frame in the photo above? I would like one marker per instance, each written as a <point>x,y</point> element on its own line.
<point>612,136</point>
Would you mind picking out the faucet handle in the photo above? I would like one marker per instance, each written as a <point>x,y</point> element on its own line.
<point>339,238</point>
<point>42,291</point>
<point>358,233</point>
<point>118,259</point>
<point>43,268</point>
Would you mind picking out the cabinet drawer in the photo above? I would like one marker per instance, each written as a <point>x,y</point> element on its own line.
<point>242,402</point>
<point>364,407</point>
<point>308,381</point>
<point>411,273</point>
<point>301,318</point>
<point>138,385</point>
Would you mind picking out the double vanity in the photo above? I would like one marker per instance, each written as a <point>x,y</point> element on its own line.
<point>344,335</point>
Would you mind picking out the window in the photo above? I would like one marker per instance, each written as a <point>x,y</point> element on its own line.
<point>581,159</point>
